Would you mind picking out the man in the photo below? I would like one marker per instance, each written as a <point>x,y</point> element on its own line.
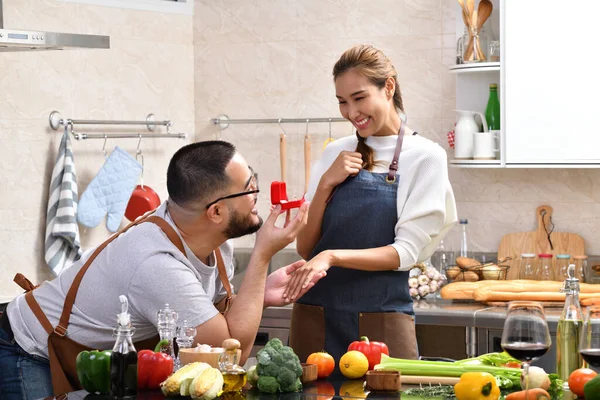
<point>212,198</point>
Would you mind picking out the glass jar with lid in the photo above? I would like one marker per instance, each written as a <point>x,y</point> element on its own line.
<point>527,267</point>
<point>562,267</point>
<point>543,271</point>
<point>581,268</point>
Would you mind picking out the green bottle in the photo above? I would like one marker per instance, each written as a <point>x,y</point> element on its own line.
<point>492,111</point>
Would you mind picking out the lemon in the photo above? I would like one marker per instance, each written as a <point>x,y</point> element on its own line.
<point>354,364</point>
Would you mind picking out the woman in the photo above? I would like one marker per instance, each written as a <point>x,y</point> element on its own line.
<point>380,203</point>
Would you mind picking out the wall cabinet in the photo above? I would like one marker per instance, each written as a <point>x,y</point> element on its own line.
<point>547,80</point>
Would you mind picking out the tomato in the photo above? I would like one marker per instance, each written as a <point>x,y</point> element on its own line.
<point>324,361</point>
<point>512,364</point>
<point>579,378</point>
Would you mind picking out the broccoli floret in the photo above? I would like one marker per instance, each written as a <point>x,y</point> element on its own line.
<point>280,363</point>
<point>293,387</point>
<point>270,370</point>
<point>268,384</point>
<point>275,343</point>
<point>263,357</point>
<point>286,378</point>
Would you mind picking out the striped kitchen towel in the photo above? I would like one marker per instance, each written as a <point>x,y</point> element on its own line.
<point>62,233</point>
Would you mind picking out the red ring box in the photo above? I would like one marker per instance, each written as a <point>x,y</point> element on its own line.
<point>279,196</point>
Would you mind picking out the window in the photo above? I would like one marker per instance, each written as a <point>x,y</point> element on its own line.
<point>169,6</point>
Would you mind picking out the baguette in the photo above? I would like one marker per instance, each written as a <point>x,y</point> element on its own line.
<point>493,293</point>
<point>541,286</point>
<point>462,290</point>
<point>592,301</point>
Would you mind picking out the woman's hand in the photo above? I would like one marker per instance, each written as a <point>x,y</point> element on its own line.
<point>347,163</point>
<point>278,280</point>
<point>303,277</point>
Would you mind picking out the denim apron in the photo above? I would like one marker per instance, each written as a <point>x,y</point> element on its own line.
<point>347,304</point>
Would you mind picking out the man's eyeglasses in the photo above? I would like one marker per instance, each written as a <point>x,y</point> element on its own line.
<point>252,184</point>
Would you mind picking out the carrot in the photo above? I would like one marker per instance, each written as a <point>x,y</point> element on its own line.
<point>534,394</point>
<point>593,301</point>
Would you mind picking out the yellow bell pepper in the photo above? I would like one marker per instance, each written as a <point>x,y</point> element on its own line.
<point>477,386</point>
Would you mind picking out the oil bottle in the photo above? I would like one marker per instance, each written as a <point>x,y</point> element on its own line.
<point>234,376</point>
<point>570,322</point>
<point>123,361</point>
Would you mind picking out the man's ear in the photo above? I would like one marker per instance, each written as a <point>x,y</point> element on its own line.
<point>215,213</point>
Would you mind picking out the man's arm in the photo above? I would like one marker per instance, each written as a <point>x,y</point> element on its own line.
<point>243,318</point>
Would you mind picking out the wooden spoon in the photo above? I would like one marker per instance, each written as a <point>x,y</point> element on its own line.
<point>479,18</point>
<point>282,156</point>
<point>306,162</point>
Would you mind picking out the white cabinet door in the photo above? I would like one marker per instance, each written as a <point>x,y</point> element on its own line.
<point>551,81</point>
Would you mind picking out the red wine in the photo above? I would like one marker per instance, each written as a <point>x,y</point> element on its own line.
<point>526,351</point>
<point>592,356</point>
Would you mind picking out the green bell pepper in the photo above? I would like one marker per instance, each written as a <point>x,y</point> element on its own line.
<point>93,370</point>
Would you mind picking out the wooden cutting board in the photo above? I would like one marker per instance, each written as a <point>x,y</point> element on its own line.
<point>537,242</point>
<point>426,380</point>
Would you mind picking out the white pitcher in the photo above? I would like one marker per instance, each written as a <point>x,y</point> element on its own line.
<point>465,127</point>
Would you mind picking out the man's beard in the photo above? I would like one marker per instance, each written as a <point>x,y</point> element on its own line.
<point>241,226</point>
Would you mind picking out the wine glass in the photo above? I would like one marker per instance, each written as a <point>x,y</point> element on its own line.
<point>526,336</point>
<point>589,342</point>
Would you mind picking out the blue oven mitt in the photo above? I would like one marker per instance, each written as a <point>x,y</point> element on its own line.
<point>109,191</point>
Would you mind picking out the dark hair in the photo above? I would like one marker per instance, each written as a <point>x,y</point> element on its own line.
<point>377,68</point>
<point>197,171</point>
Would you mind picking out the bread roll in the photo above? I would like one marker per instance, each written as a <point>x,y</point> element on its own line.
<point>467,263</point>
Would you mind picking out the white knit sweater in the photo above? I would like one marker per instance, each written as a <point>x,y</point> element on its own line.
<point>426,205</point>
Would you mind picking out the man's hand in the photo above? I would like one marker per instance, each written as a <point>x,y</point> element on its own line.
<point>279,280</point>
<point>302,279</point>
<point>270,238</point>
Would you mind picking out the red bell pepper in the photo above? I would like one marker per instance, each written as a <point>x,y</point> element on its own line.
<point>372,350</point>
<point>154,367</point>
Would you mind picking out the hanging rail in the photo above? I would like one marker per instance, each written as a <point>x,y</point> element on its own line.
<point>56,121</point>
<point>223,121</point>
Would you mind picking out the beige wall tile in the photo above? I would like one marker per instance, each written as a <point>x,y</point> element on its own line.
<point>149,68</point>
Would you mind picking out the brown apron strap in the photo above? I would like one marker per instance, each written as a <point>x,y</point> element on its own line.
<point>169,231</point>
<point>37,311</point>
<point>394,165</point>
<point>25,283</point>
<point>61,328</point>
<point>224,279</point>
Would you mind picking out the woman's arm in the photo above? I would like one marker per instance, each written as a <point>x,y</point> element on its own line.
<point>347,163</point>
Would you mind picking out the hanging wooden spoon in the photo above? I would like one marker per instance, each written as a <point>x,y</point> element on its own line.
<point>282,156</point>
<point>306,161</point>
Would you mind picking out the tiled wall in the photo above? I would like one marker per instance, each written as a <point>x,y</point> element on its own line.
<point>273,58</point>
<point>149,68</point>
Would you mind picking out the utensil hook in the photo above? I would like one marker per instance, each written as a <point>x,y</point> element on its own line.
<point>281,127</point>
<point>138,152</point>
<point>306,133</point>
<point>104,147</point>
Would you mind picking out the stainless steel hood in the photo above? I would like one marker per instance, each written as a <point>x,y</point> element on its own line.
<point>24,40</point>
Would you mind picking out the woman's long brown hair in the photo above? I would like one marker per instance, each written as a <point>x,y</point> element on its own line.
<point>377,68</point>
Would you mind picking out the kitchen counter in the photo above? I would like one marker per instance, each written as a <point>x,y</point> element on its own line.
<point>442,312</point>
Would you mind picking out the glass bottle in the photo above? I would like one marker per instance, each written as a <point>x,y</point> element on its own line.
<point>123,360</point>
<point>460,46</point>
<point>184,340</point>
<point>464,242</point>
<point>544,267</point>
<point>526,269</point>
<point>568,329</point>
<point>234,376</point>
<point>167,328</point>
<point>562,267</point>
<point>492,110</point>
<point>581,268</point>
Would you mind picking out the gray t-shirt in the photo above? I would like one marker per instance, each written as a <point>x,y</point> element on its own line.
<point>141,264</point>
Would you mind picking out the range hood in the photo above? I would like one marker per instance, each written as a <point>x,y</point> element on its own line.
<point>24,40</point>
